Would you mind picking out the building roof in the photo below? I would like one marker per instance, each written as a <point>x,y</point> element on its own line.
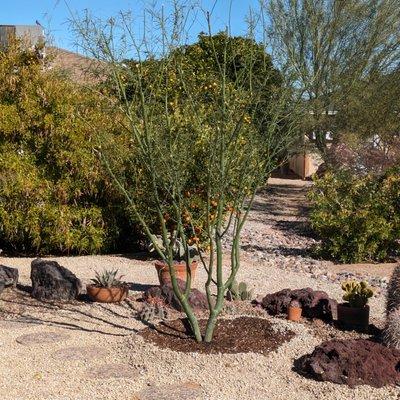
<point>76,66</point>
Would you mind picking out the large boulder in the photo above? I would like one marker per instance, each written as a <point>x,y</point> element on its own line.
<point>166,295</point>
<point>8,276</point>
<point>51,281</point>
<point>353,362</point>
<point>315,303</point>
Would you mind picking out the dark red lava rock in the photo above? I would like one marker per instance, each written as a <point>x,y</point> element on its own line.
<point>353,362</point>
<point>315,303</point>
<point>166,295</point>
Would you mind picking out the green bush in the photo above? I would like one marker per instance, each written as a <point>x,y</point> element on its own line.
<point>54,195</point>
<point>357,217</point>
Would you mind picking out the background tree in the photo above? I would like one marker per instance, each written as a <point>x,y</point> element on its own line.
<point>333,49</point>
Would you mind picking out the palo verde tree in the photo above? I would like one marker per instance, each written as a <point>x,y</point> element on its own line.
<point>332,49</point>
<point>178,126</point>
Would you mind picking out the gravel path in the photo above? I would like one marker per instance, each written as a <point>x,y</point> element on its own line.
<point>86,351</point>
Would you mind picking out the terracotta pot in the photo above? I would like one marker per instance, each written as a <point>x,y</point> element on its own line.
<point>180,271</point>
<point>294,313</point>
<point>107,295</point>
<point>353,317</point>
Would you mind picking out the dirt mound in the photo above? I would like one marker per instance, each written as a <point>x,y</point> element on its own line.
<point>239,335</point>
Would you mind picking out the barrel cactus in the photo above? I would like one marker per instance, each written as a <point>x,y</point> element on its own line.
<point>393,292</point>
<point>391,333</point>
<point>357,293</point>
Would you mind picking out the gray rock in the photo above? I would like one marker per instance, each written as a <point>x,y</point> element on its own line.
<point>41,338</point>
<point>112,371</point>
<point>9,276</point>
<point>51,281</point>
<point>185,391</point>
<point>82,353</point>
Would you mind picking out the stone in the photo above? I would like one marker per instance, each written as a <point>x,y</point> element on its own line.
<point>9,276</point>
<point>112,371</point>
<point>41,338</point>
<point>166,295</point>
<point>185,391</point>
<point>353,362</point>
<point>51,281</point>
<point>18,323</point>
<point>315,304</point>
<point>80,353</point>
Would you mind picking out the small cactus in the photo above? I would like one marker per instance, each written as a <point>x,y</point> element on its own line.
<point>295,303</point>
<point>391,333</point>
<point>393,291</point>
<point>239,292</point>
<point>357,293</point>
<point>150,312</point>
<point>108,279</point>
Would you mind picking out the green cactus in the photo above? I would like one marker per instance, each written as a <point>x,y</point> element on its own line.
<point>357,293</point>
<point>108,279</point>
<point>393,291</point>
<point>150,312</point>
<point>391,333</point>
<point>239,292</point>
<point>179,251</point>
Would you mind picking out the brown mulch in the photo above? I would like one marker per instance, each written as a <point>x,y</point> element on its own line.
<point>239,335</point>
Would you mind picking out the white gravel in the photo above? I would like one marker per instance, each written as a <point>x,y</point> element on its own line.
<point>34,372</point>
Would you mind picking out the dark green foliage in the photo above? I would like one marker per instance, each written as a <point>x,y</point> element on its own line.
<point>54,195</point>
<point>357,217</point>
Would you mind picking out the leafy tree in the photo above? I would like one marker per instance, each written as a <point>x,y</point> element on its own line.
<point>373,109</point>
<point>331,48</point>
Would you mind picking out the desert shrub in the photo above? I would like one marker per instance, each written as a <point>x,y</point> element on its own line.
<point>357,217</point>
<point>54,195</point>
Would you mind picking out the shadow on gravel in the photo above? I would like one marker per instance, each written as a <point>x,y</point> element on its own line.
<point>284,251</point>
<point>298,367</point>
<point>139,287</point>
<point>72,316</point>
<point>300,228</point>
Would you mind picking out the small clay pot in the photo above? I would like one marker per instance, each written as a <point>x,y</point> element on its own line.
<point>180,271</point>
<point>353,317</point>
<point>294,313</point>
<point>107,295</point>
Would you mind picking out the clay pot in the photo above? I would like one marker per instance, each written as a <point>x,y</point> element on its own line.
<point>107,295</point>
<point>180,271</point>
<point>294,313</point>
<point>353,317</point>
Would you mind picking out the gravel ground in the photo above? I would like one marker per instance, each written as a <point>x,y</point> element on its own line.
<point>273,259</point>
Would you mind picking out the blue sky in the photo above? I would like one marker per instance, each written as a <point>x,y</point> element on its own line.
<point>54,14</point>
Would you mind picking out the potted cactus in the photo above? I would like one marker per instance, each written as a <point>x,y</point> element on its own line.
<point>239,292</point>
<point>354,313</point>
<point>294,311</point>
<point>107,287</point>
<point>182,255</point>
